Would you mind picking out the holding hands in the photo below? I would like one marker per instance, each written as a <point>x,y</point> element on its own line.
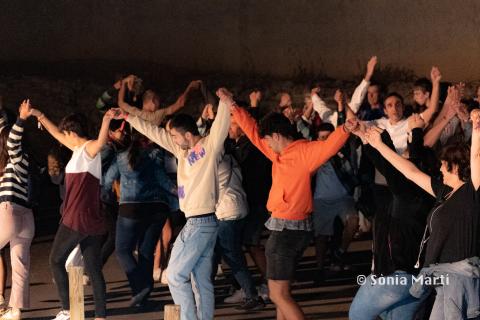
<point>255,97</point>
<point>225,96</point>
<point>373,137</point>
<point>415,121</point>
<point>25,109</point>
<point>207,113</point>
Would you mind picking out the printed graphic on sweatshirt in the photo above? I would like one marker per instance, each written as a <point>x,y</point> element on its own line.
<point>197,153</point>
<point>181,192</point>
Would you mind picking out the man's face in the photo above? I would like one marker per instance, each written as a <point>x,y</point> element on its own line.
<point>149,105</point>
<point>234,132</point>
<point>179,138</point>
<point>420,97</point>
<point>394,109</point>
<point>323,135</point>
<point>285,100</point>
<point>372,95</point>
<point>273,142</point>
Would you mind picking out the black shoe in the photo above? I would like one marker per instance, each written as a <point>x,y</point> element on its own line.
<point>139,299</point>
<point>252,304</point>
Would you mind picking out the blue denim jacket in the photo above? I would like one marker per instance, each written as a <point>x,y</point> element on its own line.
<point>462,290</point>
<point>147,183</point>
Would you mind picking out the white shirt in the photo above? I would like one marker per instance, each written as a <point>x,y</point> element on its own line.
<point>398,132</point>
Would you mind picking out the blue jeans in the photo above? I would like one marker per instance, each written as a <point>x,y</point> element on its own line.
<point>191,261</point>
<point>229,247</point>
<point>144,234</point>
<point>390,300</point>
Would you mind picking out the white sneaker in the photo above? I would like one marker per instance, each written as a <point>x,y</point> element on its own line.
<point>63,315</point>
<point>237,297</point>
<point>11,314</point>
<point>263,292</point>
<point>86,280</point>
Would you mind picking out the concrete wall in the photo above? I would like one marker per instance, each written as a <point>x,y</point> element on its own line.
<point>282,37</point>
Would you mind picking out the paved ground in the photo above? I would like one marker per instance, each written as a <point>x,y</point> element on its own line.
<point>329,301</point>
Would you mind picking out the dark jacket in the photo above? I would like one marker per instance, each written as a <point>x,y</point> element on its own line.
<point>256,170</point>
<point>398,232</point>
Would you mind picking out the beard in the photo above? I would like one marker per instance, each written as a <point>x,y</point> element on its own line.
<point>184,146</point>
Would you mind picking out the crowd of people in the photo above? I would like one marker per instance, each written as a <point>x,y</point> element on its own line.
<point>173,196</point>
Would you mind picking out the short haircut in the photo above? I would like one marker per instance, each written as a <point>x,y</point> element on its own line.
<point>423,84</point>
<point>184,123</point>
<point>457,154</point>
<point>393,94</point>
<point>151,95</point>
<point>275,122</point>
<point>325,126</point>
<point>76,123</point>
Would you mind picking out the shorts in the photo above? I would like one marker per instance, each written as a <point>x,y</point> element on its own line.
<point>255,225</point>
<point>325,212</point>
<point>283,251</point>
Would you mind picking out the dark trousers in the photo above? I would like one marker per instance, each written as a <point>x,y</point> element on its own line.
<point>144,234</point>
<point>111,212</point>
<point>65,241</point>
<point>229,247</point>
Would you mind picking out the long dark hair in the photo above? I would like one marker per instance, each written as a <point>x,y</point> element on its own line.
<point>137,144</point>
<point>3,149</point>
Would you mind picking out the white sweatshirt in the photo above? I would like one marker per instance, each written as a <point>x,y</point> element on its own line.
<point>197,174</point>
<point>232,202</point>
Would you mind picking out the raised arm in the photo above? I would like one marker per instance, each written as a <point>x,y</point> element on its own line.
<point>361,90</point>
<point>436,76</point>
<point>151,131</point>
<point>317,153</point>
<point>180,103</point>
<point>408,169</point>
<point>250,127</point>
<point>221,124</point>
<point>450,107</point>
<point>52,129</point>
<point>93,147</point>
<point>475,149</point>
<point>325,113</point>
<point>14,141</point>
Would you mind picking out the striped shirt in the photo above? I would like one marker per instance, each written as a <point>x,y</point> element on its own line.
<point>14,180</point>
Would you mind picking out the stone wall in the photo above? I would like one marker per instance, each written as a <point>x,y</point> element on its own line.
<point>249,37</point>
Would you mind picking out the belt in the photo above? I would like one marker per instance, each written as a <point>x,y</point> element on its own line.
<point>202,216</point>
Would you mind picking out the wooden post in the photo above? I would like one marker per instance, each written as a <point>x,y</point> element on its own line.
<point>171,312</point>
<point>75,279</point>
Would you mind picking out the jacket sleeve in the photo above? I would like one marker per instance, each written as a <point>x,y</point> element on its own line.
<point>250,127</point>
<point>112,174</point>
